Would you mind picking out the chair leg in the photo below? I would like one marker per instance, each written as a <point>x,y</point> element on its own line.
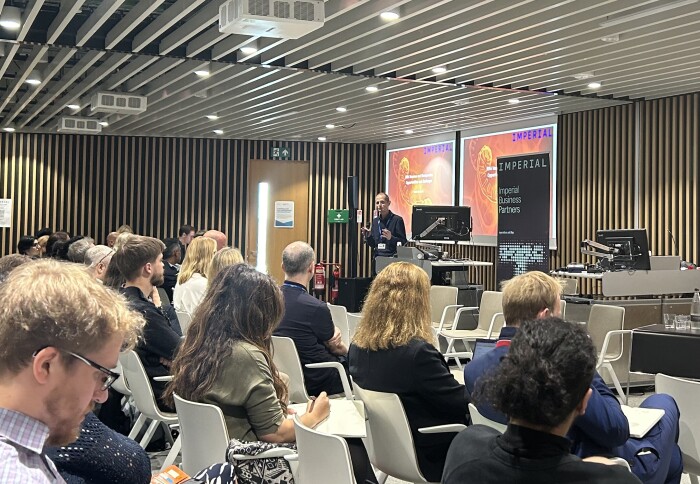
<point>149,433</point>
<point>616,381</point>
<point>450,349</point>
<point>137,427</point>
<point>693,479</point>
<point>172,455</point>
<point>381,477</point>
<point>168,433</point>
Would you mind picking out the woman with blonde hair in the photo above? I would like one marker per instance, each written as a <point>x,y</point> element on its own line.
<point>227,256</point>
<point>192,280</point>
<point>393,351</point>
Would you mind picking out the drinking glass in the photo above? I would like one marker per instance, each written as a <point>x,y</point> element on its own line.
<point>669,321</point>
<point>682,321</point>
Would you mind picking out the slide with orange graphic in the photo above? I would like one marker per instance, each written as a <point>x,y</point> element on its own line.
<point>420,175</point>
<point>480,174</point>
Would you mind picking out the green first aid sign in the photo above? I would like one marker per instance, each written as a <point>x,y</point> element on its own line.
<point>338,216</point>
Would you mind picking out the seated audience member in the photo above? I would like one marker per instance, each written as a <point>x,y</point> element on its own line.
<point>308,322</point>
<point>76,250</point>
<point>171,259</point>
<point>10,262</point>
<point>603,429</point>
<point>124,229</point>
<point>227,256</point>
<point>52,375</point>
<point>542,384</point>
<point>29,246</point>
<point>61,248</point>
<point>43,232</point>
<point>97,260</point>
<point>111,239</point>
<point>140,260</point>
<point>55,238</point>
<point>226,359</point>
<point>185,236</point>
<point>42,241</point>
<point>192,279</point>
<point>393,351</point>
<point>219,237</point>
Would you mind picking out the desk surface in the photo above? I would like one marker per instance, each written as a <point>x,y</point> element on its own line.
<point>579,275</point>
<point>460,263</point>
<point>661,329</point>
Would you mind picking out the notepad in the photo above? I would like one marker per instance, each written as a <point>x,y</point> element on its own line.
<point>347,418</point>
<point>641,420</point>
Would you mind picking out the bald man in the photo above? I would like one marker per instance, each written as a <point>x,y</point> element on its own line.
<point>219,237</point>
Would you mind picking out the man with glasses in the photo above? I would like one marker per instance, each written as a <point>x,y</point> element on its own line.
<point>57,352</point>
<point>97,260</point>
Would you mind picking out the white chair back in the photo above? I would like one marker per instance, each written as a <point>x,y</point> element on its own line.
<point>353,322</point>
<point>323,458</point>
<point>184,318</point>
<point>140,386</point>
<point>601,320</point>
<point>203,432</point>
<point>478,419</point>
<point>563,308</point>
<point>120,383</point>
<point>687,395</point>
<point>491,305</point>
<point>391,448</point>
<point>440,298</point>
<point>340,319</point>
<point>286,359</point>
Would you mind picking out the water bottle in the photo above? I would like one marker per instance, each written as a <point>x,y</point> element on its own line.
<point>695,311</point>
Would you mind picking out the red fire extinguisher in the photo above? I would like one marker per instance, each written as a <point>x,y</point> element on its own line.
<point>336,284</point>
<point>319,279</point>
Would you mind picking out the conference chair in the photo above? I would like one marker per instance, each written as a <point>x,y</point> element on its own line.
<point>478,419</point>
<point>164,299</point>
<point>569,286</point>
<point>340,319</point>
<point>605,327</point>
<point>145,401</point>
<point>443,305</point>
<point>203,433</point>
<point>389,440</point>
<point>286,359</point>
<point>489,325</point>
<point>322,458</point>
<point>562,306</point>
<point>353,322</point>
<point>184,318</point>
<point>687,395</point>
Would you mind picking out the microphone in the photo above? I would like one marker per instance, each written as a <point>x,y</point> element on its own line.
<point>674,241</point>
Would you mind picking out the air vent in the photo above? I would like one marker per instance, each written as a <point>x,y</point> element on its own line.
<point>284,19</point>
<point>71,124</point>
<point>119,103</point>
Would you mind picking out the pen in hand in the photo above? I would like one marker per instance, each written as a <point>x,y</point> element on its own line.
<point>311,407</point>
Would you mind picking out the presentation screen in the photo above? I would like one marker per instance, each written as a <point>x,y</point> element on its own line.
<point>479,173</point>
<point>420,175</point>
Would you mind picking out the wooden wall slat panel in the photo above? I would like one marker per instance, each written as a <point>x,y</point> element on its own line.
<point>92,184</point>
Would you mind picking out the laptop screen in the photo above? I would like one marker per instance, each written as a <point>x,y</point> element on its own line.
<point>483,346</point>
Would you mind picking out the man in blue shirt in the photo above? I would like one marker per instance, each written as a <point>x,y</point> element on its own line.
<point>603,429</point>
<point>387,230</point>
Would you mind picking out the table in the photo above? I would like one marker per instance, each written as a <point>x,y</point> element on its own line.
<point>656,349</point>
<point>642,283</point>
<point>435,268</point>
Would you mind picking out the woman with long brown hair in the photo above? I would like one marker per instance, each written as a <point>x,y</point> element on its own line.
<point>393,351</point>
<point>226,358</point>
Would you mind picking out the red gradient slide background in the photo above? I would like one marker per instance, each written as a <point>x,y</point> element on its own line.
<point>420,176</point>
<point>480,176</point>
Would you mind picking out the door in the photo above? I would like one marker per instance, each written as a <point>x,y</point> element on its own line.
<point>271,181</point>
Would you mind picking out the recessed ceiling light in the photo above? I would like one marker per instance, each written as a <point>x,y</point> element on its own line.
<point>34,78</point>
<point>104,123</point>
<point>611,38</point>
<point>409,131</point>
<point>11,18</point>
<point>341,109</point>
<point>212,117</point>
<point>371,89</point>
<point>73,106</point>
<point>594,85</point>
<point>218,131</point>
<point>583,75</point>
<point>389,15</point>
<point>9,129</point>
<point>322,138</point>
<point>202,72</point>
<point>439,69</point>
<point>514,100</point>
<point>330,126</point>
<point>249,50</point>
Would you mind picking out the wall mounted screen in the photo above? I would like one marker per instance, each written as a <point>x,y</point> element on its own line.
<point>420,175</point>
<point>479,175</point>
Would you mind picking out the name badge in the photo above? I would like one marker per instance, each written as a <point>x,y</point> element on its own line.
<point>381,246</point>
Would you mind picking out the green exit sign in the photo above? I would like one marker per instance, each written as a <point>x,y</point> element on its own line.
<point>338,216</point>
<point>281,153</point>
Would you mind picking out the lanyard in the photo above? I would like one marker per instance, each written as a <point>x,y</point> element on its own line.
<point>295,286</point>
<point>379,222</point>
